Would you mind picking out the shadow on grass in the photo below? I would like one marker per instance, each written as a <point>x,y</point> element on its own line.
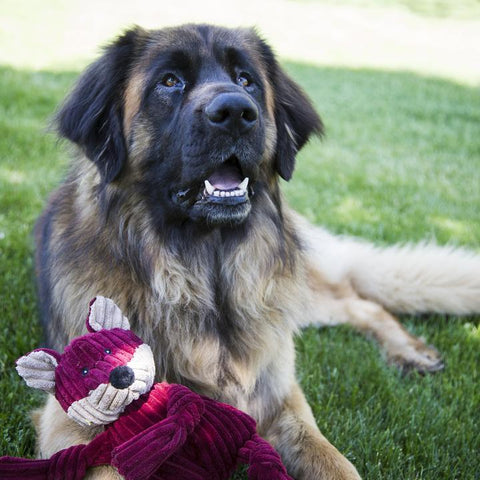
<point>400,163</point>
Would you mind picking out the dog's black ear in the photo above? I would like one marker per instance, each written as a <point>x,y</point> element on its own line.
<point>92,116</point>
<point>295,117</point>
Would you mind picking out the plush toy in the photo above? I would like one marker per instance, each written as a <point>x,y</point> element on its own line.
<point>152,431</point>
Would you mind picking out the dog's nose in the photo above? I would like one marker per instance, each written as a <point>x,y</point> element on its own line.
<point>122,377</point>
<point>234,113</point>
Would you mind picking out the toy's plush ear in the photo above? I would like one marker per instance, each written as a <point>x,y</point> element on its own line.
<point>105,315</point>
<point>38,369</point>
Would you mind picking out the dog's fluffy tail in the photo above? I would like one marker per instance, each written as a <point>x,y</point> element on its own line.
<point>404,279</point>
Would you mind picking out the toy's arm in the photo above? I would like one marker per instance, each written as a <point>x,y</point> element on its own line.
<point>264,461</point>
<point>142,455</point>
<point>69,463</point>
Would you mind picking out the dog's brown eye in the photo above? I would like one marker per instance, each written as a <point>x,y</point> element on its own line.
<point>244,80</point>
<point>84,371</point>
<point>170,80</point>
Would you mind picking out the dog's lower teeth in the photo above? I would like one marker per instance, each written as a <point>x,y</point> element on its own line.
<point>207,192</point>
<point>240,191</point>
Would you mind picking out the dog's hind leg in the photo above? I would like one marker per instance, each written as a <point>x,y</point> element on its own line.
<point>339,304</point>
<point>354,282</point>
<point>399,346</point>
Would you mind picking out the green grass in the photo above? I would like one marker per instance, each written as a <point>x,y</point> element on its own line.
<point>401,161</point>
<point>401,158</point>
<point>29,168</point>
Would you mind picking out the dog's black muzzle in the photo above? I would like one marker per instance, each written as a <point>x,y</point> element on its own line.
<point>233,113</point>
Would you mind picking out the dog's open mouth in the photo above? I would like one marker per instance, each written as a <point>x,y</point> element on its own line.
<point>221,198</point>
<point>226,185</point>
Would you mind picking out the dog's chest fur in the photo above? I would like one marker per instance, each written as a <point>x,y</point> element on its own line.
<point>218,314</point>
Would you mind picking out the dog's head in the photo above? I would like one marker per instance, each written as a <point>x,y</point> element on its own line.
<point>200,117</point>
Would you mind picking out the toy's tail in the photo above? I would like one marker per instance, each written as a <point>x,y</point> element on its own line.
<point>69,463</point>
<point>264,461</point>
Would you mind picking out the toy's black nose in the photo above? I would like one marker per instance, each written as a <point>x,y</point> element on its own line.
<point>232,112</point>
<point>122,377</point>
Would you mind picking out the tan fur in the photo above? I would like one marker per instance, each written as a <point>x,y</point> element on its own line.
<point>339,303</point>
<point>132,100</point>
<point>295,434</point>
<point>66,431</point>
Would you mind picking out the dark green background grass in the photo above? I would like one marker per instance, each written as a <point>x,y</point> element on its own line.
<point>400,162</point>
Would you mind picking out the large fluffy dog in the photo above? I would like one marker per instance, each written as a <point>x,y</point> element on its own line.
<point>172,208</point>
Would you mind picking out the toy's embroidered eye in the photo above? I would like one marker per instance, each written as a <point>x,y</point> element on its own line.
<point>84,371</point>
<point>108,351</point>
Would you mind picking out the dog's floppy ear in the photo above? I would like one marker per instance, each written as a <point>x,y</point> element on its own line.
<point>295,117</point>
<point>92,116</point>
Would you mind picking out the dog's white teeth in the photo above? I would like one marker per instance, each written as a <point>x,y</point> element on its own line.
<point>244,185</point>
<point>240,191</point>
<point>209,187</point>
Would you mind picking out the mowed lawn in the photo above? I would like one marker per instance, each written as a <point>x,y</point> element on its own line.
<point>400,162</point>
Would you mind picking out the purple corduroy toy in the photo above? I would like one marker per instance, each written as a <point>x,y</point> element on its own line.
<point>152,431</point>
